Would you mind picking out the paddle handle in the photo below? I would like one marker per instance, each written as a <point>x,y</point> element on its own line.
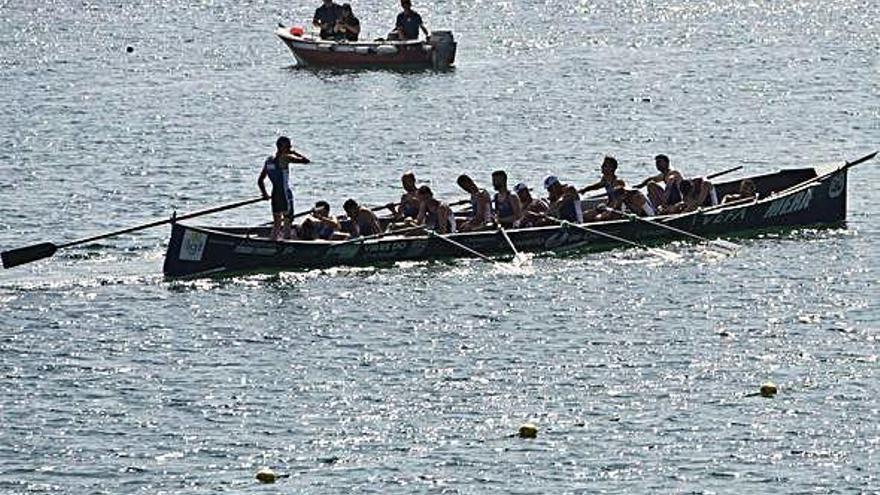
<point>144,226</point>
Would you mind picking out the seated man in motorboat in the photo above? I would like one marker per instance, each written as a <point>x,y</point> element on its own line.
<point>325,18</point>
<point>533,209</point>
<point>480,215</point>
<point>409,22</point>
<point>408,207</point>
<point>695,193</point>
<point>667,194</point>
<point>433,213</point>
<point>565,202</point>
<point>747,190</point>
<point>508,210</point>
<point>363,221</point>
<point>347,27</point>
<point>321,225</point>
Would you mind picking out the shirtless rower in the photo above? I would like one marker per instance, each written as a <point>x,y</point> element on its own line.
<point>433,213</point>
<point>668,194</point>
<point>408,207</point>
<point>363,221</point>
<point>623,199</point>
<point>533,209</point>
<point>747,190</point>
<point>277,169</point>
<point>508,209</point>
<point>321,225</point>
<point>481,205</point>
<point>565,202</point>
<point>609,181</point>
<point>695,193</point>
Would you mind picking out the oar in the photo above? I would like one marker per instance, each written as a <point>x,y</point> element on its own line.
<point>20,256</point>
<point>516,254</point>
<point>721,243</point>
<point>461,246</point>
<point>668,255</point>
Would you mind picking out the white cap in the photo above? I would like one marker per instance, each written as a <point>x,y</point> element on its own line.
<point>520,187</point>
<point>550,181</point>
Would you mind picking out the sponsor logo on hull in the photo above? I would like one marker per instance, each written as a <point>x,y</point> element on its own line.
<point>792,204</point>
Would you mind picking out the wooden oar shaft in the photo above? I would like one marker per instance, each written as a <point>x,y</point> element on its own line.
<point>661,225</point>
<point>460,246</point>
<point>157,223</point>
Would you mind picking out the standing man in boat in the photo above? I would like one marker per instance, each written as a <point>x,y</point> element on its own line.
<point>565,202</point>
<point>481,205</point>
<point>277,169</point>
<point>408,23</point>
<point>325,18</point>
<point>508,210</point>
<point>668,194</point>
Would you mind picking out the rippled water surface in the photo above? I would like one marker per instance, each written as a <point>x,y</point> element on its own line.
<point>640,374</point>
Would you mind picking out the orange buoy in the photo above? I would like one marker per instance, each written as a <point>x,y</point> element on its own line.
<point>297,30</point>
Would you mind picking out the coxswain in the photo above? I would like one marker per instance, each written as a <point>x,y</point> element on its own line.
<point>363,221</point>
<point>277,169</point>
<point>481,205</point>
<point>433,213</point>
<point>695,193</point>
<point>508,209</point>
<point>409,22</point>
<point>325,19</point>
<point>408,207</point>
<point>747,190</point>
<point>667,194</point>
<point>565,202</point>
<point>534,209</point>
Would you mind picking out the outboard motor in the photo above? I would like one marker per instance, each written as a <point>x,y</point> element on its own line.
<point>443,49</point>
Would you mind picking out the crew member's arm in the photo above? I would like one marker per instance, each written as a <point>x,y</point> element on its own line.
<point>316,21</point>
<point>702,194</point>
<point>424,29</point>
<point>591,187</point>
<point>443,213</point>
<point>423,212</point>
<point>374,222</point>
<point>653,178</point>
<point>260,182</point>
<point>516,205</point>
<point>296,157</point>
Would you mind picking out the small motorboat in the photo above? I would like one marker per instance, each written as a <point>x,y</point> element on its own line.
<point>436,52</point>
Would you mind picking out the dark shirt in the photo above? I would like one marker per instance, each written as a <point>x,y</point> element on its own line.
<point>408,25</point>
<point>351,21</point>
<point>328,16</point>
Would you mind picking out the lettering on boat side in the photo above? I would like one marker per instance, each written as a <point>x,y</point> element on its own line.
<point>792,204</point>
<point>730,216</point>
<point>836,186</point>
<point>193,246</point>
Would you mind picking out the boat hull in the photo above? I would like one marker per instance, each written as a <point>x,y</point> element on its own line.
<point>436,53</point>
<point>819,201</point>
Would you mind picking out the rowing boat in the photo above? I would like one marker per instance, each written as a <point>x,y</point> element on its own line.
<point>436,52</point>
<point>786,199</point>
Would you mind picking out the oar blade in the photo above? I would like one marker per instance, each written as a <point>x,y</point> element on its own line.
<point>21,256</point>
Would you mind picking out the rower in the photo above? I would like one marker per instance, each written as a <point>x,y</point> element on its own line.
<point>565,202</point>
<point>508,209</point>
<point>325,226</point>
<point>326,17</point>
<point>408,24</point>
<point>434,214</point>
<point>277,168</point>
<point>623,199</point>
<point>608,181</point>
<point>668,194</point>
<point>408,207</point>
<point>481,205</point>
<point>534,210</point>
<point>695,193</point>
<point>747,190</point>
<point>363,221</point>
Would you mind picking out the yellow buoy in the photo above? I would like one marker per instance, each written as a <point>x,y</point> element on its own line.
<point>768,389</point>
<point>528,430</point>
<point>266,475</point>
